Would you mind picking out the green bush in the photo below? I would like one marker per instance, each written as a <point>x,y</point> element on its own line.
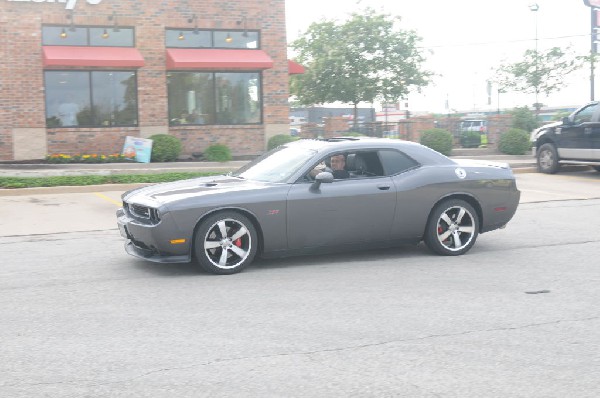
<point>514,142</point>
<point>217,153</point>
<point>523,118</point>
<point>470,139</point>
<point>165,148</point>
<point>437,139</point>
<point>279,139</point>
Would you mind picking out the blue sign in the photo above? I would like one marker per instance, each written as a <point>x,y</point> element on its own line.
<point>138,149</point>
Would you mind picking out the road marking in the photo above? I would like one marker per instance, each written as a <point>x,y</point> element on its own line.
<point>102,196</point>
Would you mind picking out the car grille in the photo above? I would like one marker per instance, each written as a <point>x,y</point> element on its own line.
<point>142,212</point>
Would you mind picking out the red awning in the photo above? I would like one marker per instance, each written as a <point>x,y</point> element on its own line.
<point>92,56</point>
<point>239,59</point>
<point>294,68</point>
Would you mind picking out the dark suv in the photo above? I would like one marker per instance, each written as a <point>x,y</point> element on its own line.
<point>574,140</point>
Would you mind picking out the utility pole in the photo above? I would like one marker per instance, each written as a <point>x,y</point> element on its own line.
<point>535,7</point>
<point>594,23</point>
<point>594,9</point>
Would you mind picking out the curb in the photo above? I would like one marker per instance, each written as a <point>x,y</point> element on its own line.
<point>68,189</point>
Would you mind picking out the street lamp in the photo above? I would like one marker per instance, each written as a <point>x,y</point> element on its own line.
<point>535,7</point>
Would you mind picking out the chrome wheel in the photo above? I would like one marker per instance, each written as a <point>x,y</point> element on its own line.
<point>452,228</point>
<point>225,242</point>
<point>547,159</point>
<point>228,243</point>
<point>455,228</point>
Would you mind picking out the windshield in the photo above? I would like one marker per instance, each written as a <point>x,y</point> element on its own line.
<point>277,165</point>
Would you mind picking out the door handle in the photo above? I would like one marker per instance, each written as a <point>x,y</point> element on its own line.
<point>383,187</point>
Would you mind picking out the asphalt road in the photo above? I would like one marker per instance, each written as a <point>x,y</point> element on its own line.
<point>518,316</point>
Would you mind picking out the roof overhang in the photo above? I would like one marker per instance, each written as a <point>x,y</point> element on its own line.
<point>294,68</point>
<point>236,59</point>
<point>120,57</point>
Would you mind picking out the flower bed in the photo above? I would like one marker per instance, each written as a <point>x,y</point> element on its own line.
<point>88,158</point>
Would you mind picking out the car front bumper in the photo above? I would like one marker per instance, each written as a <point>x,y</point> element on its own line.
<point>154,242</point>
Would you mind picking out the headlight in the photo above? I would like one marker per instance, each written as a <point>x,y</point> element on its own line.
<point>533,135</point>
<point>141,212</point>
<point>155,215</point>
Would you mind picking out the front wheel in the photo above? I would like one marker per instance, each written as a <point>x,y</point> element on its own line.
<point>225,243</point>
<point>547,159</point>
<point>452,228</point>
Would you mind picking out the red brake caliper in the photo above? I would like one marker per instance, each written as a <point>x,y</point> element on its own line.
<point>238,242</point>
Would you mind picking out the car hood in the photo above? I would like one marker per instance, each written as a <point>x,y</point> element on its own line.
<point>165,193</point>
<point>550,125</point>
<point>536,132</point>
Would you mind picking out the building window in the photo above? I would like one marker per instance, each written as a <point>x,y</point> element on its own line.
<point>188,38</point>
<point>197,38</point>
<point>197,98</point>
<point>91,98</point>
<point>95,36</point>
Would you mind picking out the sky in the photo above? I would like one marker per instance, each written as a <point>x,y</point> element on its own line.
<point>465,40</point>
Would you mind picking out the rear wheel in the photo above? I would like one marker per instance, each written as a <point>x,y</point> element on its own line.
<point>452,228</point>
<point>225,243</point>
<point>547,159</point>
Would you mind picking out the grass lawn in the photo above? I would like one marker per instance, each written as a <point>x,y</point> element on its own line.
<point>33,182</point>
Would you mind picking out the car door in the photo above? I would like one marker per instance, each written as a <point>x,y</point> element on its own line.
<point>354,210</point>
<point>574,139</point>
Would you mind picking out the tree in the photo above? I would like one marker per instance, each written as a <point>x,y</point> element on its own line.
<point>361,60</point>
<point>523,119</point>
<point>538,72</point>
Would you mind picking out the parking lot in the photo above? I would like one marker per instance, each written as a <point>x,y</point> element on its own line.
<point>518,316</point>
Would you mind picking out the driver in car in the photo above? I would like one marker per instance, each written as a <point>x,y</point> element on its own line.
<point>338,164</point>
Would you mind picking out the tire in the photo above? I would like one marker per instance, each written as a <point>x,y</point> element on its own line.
<point>597,168</point>
<point>452,228</point>
<point>225,243</point>
<point>547,159</point>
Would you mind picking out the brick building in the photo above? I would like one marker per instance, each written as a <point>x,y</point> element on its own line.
<point>78,76</point>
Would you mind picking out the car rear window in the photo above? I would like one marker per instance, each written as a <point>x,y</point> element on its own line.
<point>395,162</point>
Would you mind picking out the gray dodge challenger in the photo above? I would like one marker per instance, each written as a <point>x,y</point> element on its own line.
<point>310,195</point>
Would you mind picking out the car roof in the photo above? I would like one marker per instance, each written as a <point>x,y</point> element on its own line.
<point>420,153</point>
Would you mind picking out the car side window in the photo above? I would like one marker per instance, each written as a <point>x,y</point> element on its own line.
<point>395,162</point>
<point>349,165</point>
<point>585,115</point>
<point>364,164</point>
<point>334,163</point>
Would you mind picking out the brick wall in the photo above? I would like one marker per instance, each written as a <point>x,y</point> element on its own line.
<point>335,126</point>
<point>22,87</point>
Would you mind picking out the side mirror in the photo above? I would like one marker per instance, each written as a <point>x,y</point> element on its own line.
<point>566,121</point>
<point>323,177</point>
